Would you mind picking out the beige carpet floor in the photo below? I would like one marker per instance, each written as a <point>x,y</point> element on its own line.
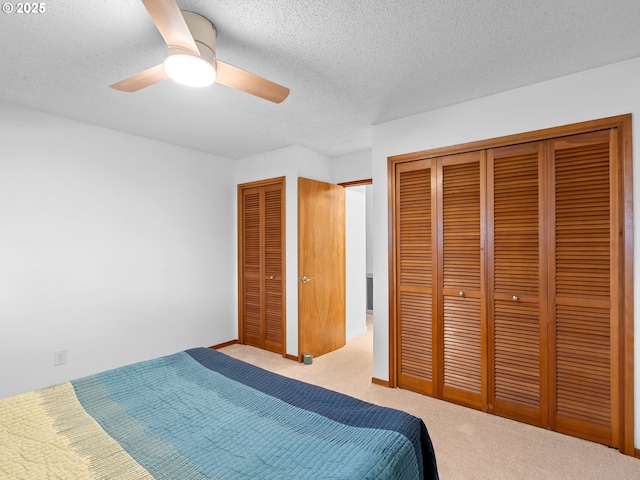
<point>469,445</point>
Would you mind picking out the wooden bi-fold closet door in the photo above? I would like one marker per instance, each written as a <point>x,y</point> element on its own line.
<point>583,276</point>
<point>460,307</point>
<point>416,240</point>
<point>550,282</point>
<point>439,280</point>
<point>261,264</point>
<point>512,280</point>
<point>517,316</point>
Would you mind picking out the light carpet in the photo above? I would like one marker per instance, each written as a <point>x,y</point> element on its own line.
<point>469,445</point>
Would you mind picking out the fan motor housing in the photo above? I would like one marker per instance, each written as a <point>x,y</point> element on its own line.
<point>202,30</point>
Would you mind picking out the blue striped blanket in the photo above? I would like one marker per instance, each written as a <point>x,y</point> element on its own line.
<point>200,414</point>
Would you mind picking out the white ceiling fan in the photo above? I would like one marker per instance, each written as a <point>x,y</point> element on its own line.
<point>191,57</point>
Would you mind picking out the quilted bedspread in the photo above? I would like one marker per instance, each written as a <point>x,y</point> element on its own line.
<point>200,414</point>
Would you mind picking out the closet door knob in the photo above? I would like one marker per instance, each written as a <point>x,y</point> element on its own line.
<point>461,293</point>
<point>515,298</point>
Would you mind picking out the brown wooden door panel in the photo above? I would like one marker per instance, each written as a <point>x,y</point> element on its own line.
<point>252,268</point>
<point>462,351</point>
<point>415,342</point>
<point>274,268</point>
<point>261,264</point>
<point>517,323</point>
<point>415,260</point>
<point>460,309</point>
<point>584,429</point>
<point>321,258</point>
<point>519,380</point>
<point>252,317</point>
<point>582,246</point>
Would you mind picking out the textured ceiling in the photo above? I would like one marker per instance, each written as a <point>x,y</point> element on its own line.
<point>349,64</point>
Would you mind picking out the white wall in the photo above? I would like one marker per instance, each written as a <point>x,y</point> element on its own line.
<point>369,214</point>
<point>352,167</point>
<point>599,93</point>
<point>356,260</point>
<point>290,162</point>
<point>113,247</point>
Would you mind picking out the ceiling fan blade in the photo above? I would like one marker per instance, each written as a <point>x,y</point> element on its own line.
<point>247,82</point>
<point>170,23</point>
<point>141,80</point>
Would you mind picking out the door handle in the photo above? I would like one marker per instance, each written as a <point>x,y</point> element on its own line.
<point>304,279</point>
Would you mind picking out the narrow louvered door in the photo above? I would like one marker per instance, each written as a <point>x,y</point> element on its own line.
<point>516,295</point>
<point>273,268</point>
<point>261,264</point>
<point>252,269</point>
<point>583,373</point>
<point>461,301</point>
<point>415,241</point>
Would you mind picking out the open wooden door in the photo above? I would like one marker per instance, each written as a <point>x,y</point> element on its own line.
<point>321,267</point>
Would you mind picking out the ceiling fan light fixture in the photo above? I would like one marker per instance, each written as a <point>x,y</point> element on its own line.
<point>191,57</point>
<point>187,69</point>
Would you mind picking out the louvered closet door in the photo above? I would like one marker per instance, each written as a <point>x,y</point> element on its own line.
<point>274,268</point>
<point>461,302</point>
<point>262,266</point>
<point>581,283</point>
<point>516,295</point>
<point>252,267</point>
<point>415,241</point>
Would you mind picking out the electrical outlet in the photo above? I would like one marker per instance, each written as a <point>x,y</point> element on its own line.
<point>59,358</point>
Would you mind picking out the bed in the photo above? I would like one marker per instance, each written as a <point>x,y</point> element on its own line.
<point>201,414</point>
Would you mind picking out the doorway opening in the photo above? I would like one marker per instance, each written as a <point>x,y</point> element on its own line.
<point>359,264</point>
